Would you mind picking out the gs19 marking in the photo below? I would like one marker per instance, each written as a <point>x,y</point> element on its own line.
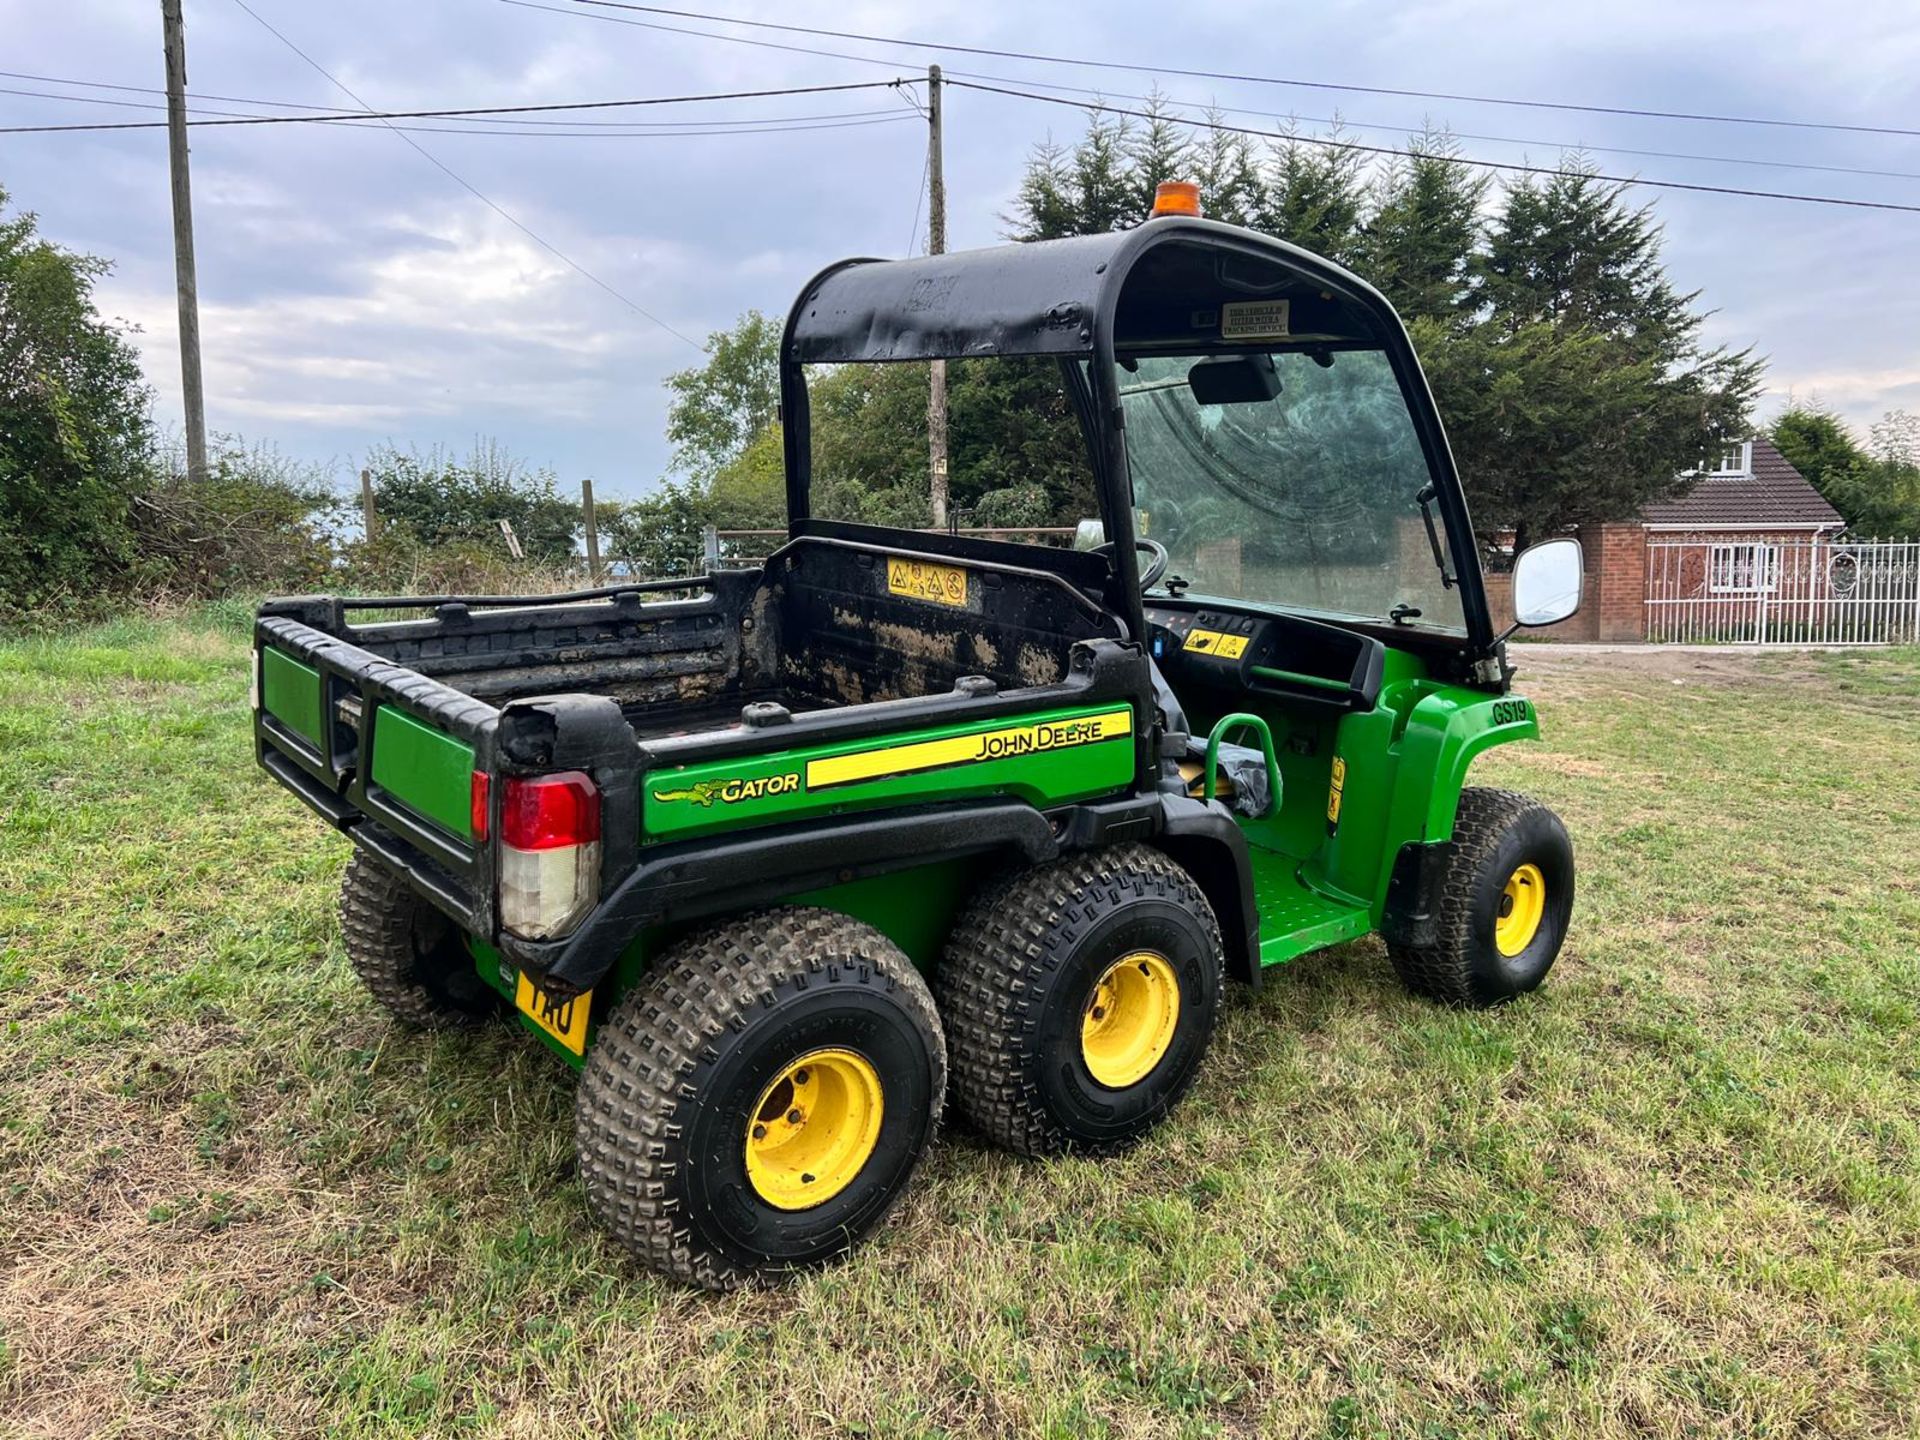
<point>1509,712</point>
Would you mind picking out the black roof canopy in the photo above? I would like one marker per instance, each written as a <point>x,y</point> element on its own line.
<point>1056,297</point>
<point>1173,285</point>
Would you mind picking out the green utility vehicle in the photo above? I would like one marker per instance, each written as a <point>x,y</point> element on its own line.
<point>787,859</point>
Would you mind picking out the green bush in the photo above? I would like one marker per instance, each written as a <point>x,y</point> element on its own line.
<point>76,442</point>
<point>441,501</point>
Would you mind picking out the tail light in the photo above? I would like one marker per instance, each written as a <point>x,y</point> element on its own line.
<point>549,853</point>
<point>479,799</point>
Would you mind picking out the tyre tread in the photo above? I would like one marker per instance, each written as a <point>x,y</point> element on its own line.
<point>649,1045</point>
<point>1443,971</point>
<point>377,913</point>
<point>1014,932</point>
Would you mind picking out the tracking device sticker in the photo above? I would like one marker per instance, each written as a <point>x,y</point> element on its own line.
<point>1256,320</point>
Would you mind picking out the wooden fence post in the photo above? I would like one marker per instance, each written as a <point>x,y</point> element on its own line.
<point>370,518</point>
<point>593,533</point>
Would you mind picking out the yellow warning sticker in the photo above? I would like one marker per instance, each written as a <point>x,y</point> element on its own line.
<point>924,580</point>
<point>998,744</point>
<point>1333,791</point>
<point>1213,642</point>
<point>565,1020</point>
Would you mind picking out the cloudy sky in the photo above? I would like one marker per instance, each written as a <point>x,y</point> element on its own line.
<point>353,292</point>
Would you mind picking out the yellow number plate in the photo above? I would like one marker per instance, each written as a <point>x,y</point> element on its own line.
<point>1213,642</point>
<point>564,1020</point>
<point>924,580</point>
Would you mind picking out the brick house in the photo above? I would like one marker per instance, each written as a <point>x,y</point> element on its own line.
<point>1748,532</point>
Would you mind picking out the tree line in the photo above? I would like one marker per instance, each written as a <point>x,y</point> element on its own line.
<point>1572,372</point>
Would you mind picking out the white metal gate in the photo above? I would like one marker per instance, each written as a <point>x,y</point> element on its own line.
<point>1789,592</point>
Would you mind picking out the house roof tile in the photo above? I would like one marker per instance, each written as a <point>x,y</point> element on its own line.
<point>1771,493</point>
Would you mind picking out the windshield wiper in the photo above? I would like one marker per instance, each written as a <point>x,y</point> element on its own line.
<point>1425,497</point>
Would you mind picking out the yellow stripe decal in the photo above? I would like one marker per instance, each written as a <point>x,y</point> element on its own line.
<point>968,749</point>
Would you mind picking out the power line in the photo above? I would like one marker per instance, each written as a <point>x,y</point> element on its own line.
<point>561,129</point>
<point>351,117</point>
<point>919,199</point>
<point>738,128</point>
<point>1461,160</point>
<point>702,34</point>
<point>1337,120</point>
<point>150,90</point>
<point>919,191</point>
<point>475,191</point>
<point>359,119</point>
<point>361,115</point>
<point>1256,79</point>
<point>1050,85</point>
<point>1513,168</point>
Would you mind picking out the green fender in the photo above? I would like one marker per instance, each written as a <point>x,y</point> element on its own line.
<point>1446,731</point>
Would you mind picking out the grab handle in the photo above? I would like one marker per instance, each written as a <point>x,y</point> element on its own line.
<point>1227,724</point>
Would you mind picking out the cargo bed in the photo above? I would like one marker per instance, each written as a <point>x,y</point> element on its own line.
<point>780,697</point>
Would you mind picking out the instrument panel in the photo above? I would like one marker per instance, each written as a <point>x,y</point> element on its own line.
<point>1280,655</point>
<point>1217,635</point>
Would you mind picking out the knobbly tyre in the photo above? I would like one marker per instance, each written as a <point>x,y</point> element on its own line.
<point>899,814</point>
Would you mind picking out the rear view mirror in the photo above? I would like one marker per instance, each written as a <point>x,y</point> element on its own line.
<point>1546,582</point>
<point>1234,380</point>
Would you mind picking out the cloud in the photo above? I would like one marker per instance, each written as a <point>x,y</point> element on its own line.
<point>351,292</point>
<point>463,314</point>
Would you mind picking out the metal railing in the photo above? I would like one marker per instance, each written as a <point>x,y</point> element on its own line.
<point>1789,591</point>
<point>751,547</point>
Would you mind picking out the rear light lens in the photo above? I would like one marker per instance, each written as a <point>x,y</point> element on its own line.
<point>477,811</point>
<point>549,853</point>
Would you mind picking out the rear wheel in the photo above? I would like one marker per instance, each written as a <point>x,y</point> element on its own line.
<point>758,1101</point>
<point>1506,900</point>
<point>1080,997</point>
<point>410,957</point>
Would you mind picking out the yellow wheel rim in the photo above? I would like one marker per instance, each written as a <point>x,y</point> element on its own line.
<point>1522,904</point>
<point>814,1129</point>
<point>1129,1019</point>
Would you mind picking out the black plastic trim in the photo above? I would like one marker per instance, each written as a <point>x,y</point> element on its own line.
<point>1205,839</point>
<point>740,869</point>
<point>1412,915</point>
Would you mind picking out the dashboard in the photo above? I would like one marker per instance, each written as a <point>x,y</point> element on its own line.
<point>1284,656</point>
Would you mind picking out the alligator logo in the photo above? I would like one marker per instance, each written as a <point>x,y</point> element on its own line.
<point>705,792</point>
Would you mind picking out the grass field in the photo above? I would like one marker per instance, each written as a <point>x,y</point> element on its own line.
<point>1673,1194</point>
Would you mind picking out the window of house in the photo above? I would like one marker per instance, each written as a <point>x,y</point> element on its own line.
<point>1744,569</point>
<point>1732,459</point>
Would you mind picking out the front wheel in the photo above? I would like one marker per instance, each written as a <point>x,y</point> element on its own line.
<point>758,1101</point>
<point>1506,900</point>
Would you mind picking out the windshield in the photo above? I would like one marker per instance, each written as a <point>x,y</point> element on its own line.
<point>1307,500</point>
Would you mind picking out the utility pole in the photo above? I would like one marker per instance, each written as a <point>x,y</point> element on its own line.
<point>176,48</point>
<point>593,532</point>
<point>936,245</point>
<point>369,516</point>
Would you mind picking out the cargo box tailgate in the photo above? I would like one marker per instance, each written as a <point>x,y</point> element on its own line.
<point>383,753</point>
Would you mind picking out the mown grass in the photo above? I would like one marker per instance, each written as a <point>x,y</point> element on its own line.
<point>1672,1194</point>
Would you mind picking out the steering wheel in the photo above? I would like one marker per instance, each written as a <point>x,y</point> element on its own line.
<point>1157,562</point>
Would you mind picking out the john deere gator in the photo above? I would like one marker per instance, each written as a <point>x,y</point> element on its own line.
<point>788,860</point>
